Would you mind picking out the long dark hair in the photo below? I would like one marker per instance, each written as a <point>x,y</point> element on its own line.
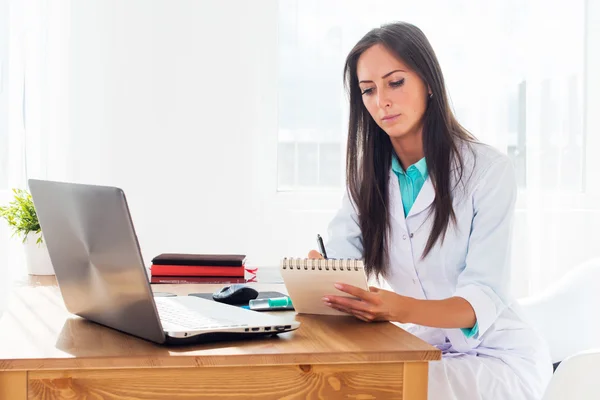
<point>369,149</point>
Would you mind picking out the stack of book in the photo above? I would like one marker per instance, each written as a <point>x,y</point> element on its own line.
<point>198,268</point>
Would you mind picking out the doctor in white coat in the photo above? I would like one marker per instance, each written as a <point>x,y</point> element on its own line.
<point>430,210</point>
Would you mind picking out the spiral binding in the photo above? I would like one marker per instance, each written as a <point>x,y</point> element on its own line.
<point>322,264</point>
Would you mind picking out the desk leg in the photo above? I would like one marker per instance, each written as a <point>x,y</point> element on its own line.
<point>13,385</point>
<point>415,380</point>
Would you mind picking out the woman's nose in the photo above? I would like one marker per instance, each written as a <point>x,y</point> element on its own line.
<point>383,101</point>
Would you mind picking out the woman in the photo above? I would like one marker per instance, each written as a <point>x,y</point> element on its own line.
<point>430,209</point>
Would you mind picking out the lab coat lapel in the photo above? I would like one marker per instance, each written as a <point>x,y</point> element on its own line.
<point>395,202</point>
<point>424,198</point>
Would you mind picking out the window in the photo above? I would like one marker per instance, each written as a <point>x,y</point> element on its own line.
<point>311,102</point>
<point>505,80</point>
<point>4,29</point>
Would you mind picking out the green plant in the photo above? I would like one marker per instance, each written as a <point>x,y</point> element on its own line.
<point>21,216</point>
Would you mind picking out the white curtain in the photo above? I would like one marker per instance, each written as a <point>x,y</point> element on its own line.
<point>557,214</point>
<point>534,51</point>
<point>37,92</point>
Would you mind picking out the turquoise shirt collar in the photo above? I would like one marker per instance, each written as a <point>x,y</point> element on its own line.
<point>420,166</point>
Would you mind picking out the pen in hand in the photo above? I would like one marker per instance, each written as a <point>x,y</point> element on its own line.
<point>321,246</point>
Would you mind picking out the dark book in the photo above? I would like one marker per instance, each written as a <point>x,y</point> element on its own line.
<point>224,260</point>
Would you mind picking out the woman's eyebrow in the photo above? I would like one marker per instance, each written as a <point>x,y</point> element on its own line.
<point>386,75</point>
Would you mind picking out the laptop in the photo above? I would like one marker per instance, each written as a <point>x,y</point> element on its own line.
<point>101,275</point>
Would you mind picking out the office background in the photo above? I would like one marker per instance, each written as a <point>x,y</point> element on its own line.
<point>225,121</point>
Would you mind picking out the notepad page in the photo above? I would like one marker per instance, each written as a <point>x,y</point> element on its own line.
<point>307,287</point>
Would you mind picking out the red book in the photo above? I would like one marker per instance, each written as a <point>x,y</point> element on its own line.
<point>196,279</point>
<point>196,270</point>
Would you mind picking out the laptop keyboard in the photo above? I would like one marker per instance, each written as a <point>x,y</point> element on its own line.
<point>178,314</point>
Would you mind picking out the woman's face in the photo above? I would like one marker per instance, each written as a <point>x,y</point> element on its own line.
<point>395,96</point>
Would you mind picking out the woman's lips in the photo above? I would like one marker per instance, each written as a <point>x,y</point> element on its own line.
<point>390,118</point>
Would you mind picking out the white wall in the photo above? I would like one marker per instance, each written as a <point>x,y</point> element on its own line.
<point>176,102</point>
<point>164,101</point>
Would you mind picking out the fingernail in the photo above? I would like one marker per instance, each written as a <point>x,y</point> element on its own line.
<point>337,286</point>
<point>326,299</point>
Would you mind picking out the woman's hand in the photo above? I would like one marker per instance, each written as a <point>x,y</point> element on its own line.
<point>313,254</point>
<point>374,305</point>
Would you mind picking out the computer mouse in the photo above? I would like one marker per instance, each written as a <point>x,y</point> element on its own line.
<point>235,294</point>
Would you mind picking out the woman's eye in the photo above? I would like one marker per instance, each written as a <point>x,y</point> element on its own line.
<point>367,91</point>
<point>397,83</point>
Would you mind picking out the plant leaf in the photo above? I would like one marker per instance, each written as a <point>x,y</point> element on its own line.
<point>21,214</point>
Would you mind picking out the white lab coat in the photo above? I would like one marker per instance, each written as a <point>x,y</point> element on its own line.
<point>507,359</point>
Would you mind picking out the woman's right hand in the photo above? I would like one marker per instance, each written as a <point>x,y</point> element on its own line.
<point>315,255</point>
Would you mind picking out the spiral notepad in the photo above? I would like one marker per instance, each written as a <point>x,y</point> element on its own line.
<point>308,280</point>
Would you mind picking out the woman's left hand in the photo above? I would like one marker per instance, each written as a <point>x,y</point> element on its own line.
<point>374,305</point>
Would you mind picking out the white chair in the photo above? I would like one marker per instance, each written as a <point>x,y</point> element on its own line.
<point>566,315</point>
<point>576,378</point>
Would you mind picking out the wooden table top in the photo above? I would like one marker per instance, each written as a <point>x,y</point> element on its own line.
<point>38,333</point>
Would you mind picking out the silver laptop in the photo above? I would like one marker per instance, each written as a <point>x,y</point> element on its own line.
<point>101,275</point>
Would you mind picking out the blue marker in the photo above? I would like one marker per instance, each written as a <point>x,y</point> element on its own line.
<point>277,303</point>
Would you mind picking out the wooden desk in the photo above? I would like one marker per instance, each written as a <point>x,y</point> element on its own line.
<point>47,353</point>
